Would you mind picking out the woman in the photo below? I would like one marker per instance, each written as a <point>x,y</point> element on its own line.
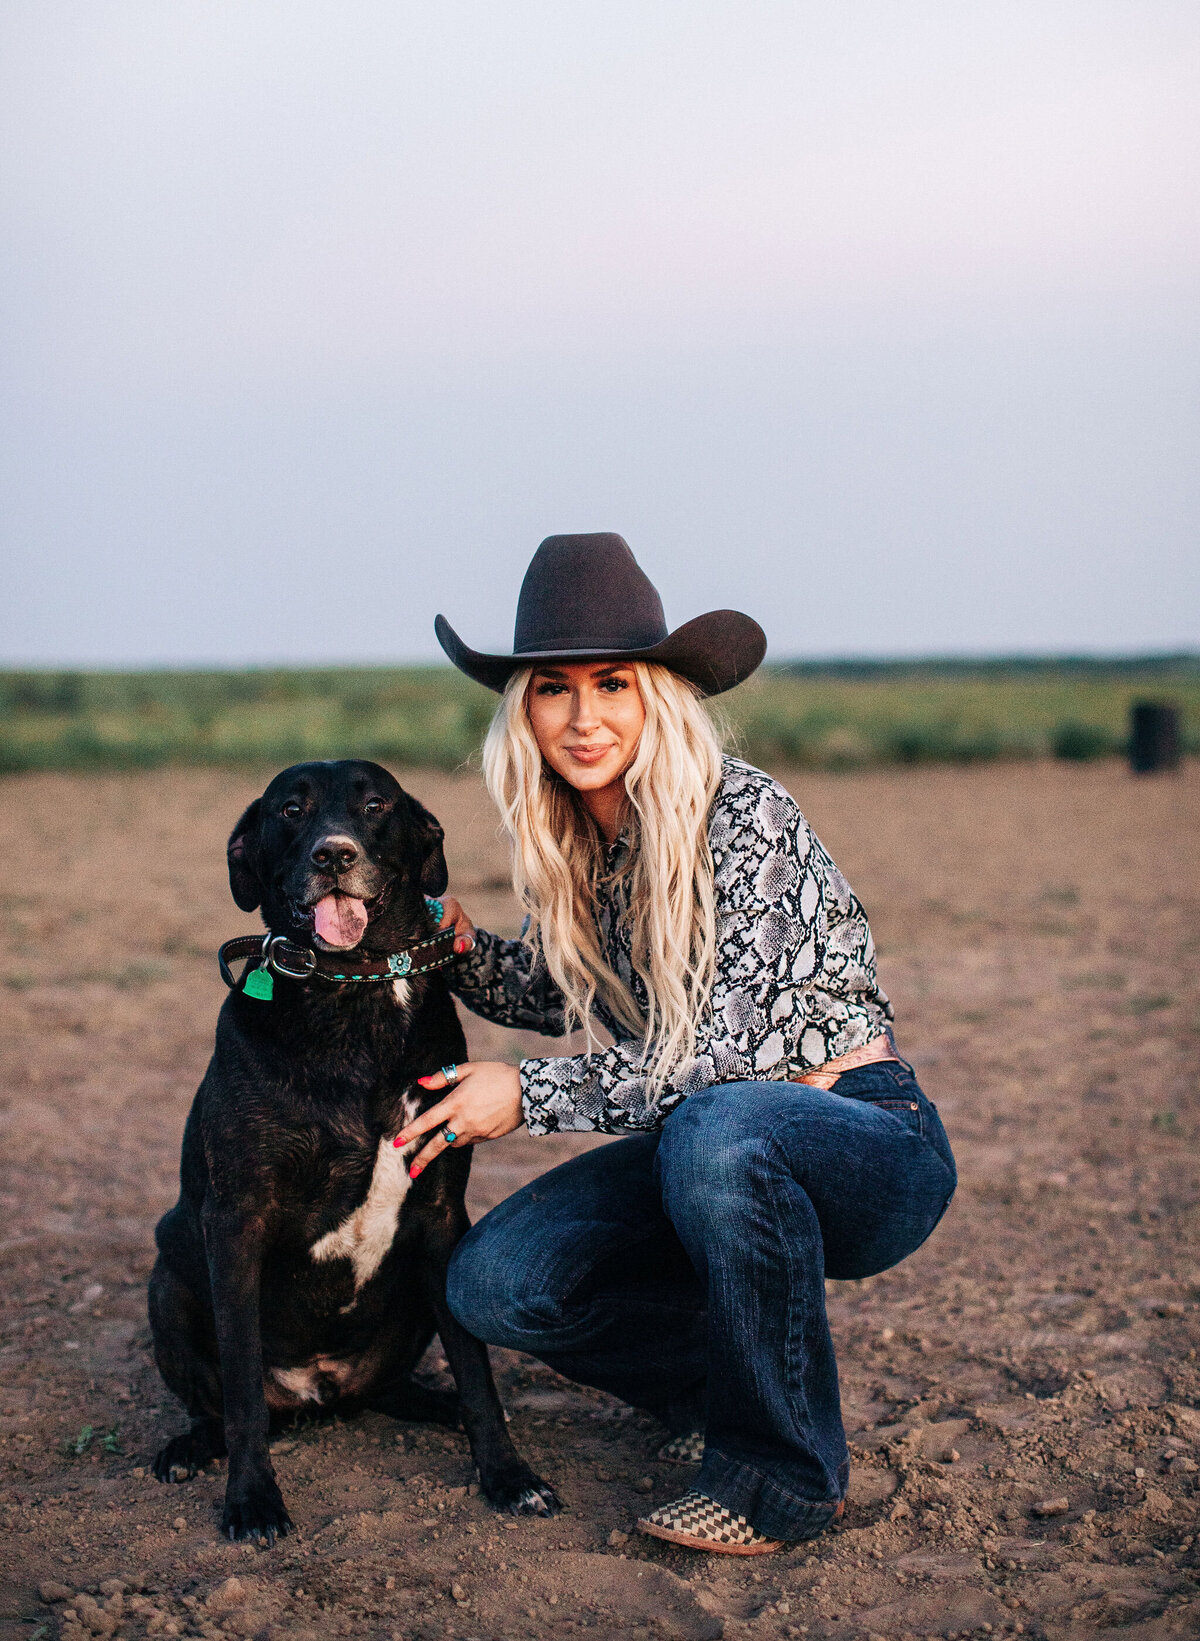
<point>774,1137</point>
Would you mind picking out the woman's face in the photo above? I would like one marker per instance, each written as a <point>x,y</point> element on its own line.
<point>587,720</point>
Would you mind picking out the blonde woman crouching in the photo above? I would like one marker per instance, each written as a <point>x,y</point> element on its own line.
<point>679,900</point>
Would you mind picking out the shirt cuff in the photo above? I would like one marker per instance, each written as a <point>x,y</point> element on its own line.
<point>533,1097</point>
<point>476,971</point>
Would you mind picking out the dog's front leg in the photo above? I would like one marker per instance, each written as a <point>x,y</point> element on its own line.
<point>507,1481</point>
<point>254,1506</point>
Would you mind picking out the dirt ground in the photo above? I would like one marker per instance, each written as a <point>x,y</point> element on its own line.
<point>1022,1396</point>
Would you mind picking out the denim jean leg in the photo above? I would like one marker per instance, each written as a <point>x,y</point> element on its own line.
<point>776,1449</point>
<point>648,1266</point>
<point>771,1187</point>
<point>582,1269</point>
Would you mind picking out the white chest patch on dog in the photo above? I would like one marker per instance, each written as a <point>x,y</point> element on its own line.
<point>365,1236</point>
<point>401,991</point>
<point>299,1382</point>
<point>313,1382</point>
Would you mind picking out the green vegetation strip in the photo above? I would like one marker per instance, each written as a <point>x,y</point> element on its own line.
<point>843,715</point>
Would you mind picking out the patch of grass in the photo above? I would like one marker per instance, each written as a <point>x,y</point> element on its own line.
<point>126,978</point>
<point>140,974</point>
<point>848,715</point>
<point>1109,979</point>
<point>106,1440</point>
<point>1079,743</point>
<point>82,1442</point>
<point>181,945</point>
<point>1148,1003</point>
<point>1167,1122</point>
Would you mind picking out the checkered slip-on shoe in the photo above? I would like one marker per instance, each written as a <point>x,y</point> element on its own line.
<point>685,1449</point>
<point>701,1523</point>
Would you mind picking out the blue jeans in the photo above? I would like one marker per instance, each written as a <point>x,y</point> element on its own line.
<point>684,1271</point>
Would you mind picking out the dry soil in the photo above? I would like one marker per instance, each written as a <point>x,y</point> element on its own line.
<point>1022,1396</point>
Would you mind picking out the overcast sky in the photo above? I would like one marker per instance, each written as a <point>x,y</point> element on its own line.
<point>879,319</point>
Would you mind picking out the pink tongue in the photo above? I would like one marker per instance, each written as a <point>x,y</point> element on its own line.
<point>339,920</point>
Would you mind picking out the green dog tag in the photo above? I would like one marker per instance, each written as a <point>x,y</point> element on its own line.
<point>260,984</point>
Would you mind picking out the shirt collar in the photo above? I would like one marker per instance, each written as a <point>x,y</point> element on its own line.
<point>616,851</point>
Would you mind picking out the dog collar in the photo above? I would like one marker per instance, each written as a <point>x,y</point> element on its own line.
<point>280,956</point>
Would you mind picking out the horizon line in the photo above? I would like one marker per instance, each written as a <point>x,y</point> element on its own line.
<point>1124,659</point>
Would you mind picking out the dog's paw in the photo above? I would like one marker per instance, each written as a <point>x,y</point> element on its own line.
<point>521,1493</point>
<point>256,1511</point>
<point>538,1500</point>
<point>183,1457</point>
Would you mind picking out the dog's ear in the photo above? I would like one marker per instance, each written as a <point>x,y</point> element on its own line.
<point>433,876</point>
<point>242,855</point>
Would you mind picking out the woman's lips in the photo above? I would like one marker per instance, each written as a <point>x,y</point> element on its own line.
<point>587,754</point>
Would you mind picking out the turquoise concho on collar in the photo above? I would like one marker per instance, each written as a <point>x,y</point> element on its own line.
<point>399,963</point>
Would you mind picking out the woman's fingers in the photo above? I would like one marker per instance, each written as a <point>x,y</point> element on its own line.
<point>438,1118</point>
<point>427,1120</point>
<point>483,1103</point>
<point>437,1080</point>
<point>427,1154</point>
<point>464,929</point>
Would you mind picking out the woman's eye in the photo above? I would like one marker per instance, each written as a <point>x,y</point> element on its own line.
<point>291,810</point>
<point>550,689</point>
<point>612,685</point>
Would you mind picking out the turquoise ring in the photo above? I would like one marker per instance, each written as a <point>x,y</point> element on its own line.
<point>450,1073</point>
<point>449,1136</point>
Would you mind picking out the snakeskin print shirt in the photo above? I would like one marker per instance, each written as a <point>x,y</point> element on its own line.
<point>794,985</point>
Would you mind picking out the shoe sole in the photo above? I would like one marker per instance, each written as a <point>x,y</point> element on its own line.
<point>689,1541</point>
<point>765,1547</point>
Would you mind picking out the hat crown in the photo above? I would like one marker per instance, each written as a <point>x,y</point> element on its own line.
<point>587,593</point>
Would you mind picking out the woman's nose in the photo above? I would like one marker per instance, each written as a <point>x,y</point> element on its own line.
<point>584,715</point>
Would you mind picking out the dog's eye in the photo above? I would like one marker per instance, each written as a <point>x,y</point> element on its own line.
<point>291,809</point>
<point>374,806</point>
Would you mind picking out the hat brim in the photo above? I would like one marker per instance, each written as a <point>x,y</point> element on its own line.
<point>713,651</point>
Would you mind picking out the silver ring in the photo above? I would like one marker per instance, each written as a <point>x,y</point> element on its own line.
<point>450,1073</point>
<point>449,1135</point>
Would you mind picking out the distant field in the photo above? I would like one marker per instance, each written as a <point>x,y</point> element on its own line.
<point>832,716</point>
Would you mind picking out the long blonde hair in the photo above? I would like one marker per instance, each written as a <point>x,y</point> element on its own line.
<point>558,858</point>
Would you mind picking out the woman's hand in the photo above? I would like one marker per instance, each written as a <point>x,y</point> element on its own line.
<point>464,929</point>
<point>484,1103</point>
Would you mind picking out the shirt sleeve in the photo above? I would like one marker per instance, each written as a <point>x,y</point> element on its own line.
<point>770,944</point>
<point>500,981</point>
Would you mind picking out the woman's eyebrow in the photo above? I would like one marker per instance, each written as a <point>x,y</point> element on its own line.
<point>561,676</point>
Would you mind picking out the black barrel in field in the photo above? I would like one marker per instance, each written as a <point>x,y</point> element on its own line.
<point>1153,737</point>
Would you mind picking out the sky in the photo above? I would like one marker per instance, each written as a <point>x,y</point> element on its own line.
<point>878,320</point>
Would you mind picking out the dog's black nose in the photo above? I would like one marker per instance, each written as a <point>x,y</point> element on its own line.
<point>335,854</point>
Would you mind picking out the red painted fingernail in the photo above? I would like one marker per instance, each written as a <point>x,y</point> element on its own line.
<point>398,1141</point>
<point>413,1171</point>
<point>424,1081</point>
<point>460,945</point>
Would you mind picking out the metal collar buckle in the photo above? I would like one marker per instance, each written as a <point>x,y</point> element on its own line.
<point>273,948</point>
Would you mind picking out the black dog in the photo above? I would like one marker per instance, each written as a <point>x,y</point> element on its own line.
<point>300,1266</point>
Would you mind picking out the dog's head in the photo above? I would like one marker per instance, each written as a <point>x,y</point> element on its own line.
<point>334,850</point>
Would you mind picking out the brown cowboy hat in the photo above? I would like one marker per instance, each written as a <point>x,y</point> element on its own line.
<point>584,598</point>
